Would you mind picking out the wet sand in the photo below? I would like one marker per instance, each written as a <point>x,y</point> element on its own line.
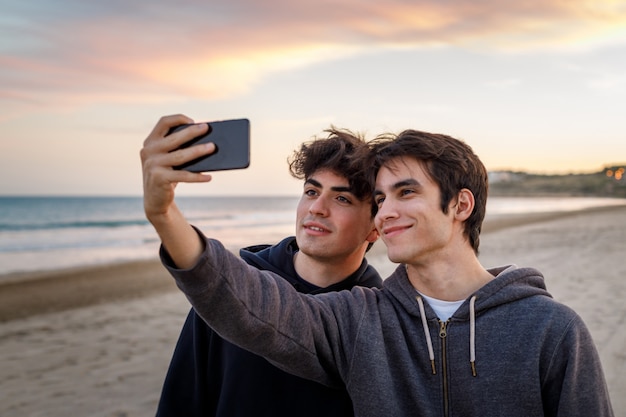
<point>97,341</point>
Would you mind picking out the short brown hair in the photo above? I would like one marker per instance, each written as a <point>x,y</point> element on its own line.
<point>343,152</point>
<point>450,163</point>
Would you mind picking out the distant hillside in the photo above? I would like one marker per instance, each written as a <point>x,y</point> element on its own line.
<point>610,182</point>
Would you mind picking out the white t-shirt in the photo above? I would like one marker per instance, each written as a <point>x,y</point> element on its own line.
<point>443,309</point>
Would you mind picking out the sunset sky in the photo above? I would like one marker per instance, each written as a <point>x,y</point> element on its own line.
<point>538,85</point>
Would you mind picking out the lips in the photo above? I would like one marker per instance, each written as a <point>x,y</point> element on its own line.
<point>391,231</point>
<point>315,227</point>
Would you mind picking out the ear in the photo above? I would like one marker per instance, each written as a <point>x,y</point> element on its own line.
<point>372,236</point>
<point>465,205</point>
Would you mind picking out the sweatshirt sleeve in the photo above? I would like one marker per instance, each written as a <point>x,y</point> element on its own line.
<point>264,314</point>
<point>575,383</point>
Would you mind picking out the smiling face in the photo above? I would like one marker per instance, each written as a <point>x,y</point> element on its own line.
<point>332,224</point>
<point>409,219</point>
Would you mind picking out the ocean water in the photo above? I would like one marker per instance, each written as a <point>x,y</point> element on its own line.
<point>44,233</point>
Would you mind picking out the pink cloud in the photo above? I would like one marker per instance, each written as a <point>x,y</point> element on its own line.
<point>188,49</point>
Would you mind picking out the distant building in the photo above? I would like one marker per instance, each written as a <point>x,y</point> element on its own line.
<point>503,176</point>
<point>615,172</point>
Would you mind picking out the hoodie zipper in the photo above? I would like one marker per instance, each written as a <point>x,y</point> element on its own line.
<point>443,333</point>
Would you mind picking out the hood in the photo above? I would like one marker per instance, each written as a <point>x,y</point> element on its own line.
<point>511,284</point>
<point>279,259</point>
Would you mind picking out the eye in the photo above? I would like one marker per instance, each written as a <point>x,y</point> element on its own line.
<point>344,199</point>
<point>310,192</point>
<point>406,191</point>
<point>379,200</point>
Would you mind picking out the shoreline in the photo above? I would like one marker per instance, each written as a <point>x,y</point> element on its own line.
<point>42,292</point>
<point>24,294</point>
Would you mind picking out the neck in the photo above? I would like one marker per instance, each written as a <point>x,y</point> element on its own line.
<point>325,272</point>
<point>453,280</point>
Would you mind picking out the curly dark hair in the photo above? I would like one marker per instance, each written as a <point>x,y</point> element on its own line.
<point>343,152</point>
<point>450,163</point>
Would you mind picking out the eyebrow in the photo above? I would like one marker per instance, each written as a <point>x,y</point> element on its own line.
<point>410,182</point>
<point>339,188</point>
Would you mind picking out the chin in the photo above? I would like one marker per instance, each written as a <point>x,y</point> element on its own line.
<point>396,256</point>
<point>312,249</point>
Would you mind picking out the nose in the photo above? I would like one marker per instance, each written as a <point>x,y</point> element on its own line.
<point>319,207</point>
<point>386,211</point>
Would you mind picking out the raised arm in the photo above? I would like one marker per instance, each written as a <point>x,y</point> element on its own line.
<point>158,157</point>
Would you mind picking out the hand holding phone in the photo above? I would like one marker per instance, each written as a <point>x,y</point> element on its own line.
<point>232,146</point>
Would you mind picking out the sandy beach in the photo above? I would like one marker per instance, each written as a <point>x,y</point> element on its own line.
<point>97,341</point>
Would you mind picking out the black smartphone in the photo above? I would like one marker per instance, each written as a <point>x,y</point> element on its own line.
<point>232,141</point>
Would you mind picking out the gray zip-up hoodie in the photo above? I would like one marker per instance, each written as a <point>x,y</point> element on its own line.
<point>509,350</point>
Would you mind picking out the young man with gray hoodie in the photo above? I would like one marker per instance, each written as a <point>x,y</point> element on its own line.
<point>444,337</point>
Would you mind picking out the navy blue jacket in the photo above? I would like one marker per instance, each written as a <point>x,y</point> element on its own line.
<point>209,376</point>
